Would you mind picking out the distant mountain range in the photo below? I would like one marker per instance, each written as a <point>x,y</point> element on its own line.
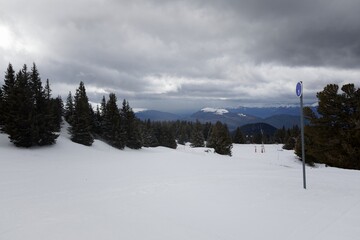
<point>233,117</point>
<point>154,115</point>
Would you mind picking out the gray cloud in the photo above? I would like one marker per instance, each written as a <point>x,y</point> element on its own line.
<point>187,53</point>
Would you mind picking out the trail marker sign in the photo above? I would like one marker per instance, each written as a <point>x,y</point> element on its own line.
<point>299,89</point>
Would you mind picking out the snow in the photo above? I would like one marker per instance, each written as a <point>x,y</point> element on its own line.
<point>241,115</point>
<point>137,110</point>
<point>217,111</point>
<point>73,192</point>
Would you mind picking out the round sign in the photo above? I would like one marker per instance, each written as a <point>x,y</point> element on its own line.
<point>299,89</point>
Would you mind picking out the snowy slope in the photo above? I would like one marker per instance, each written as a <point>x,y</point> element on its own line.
<point>69,191</point>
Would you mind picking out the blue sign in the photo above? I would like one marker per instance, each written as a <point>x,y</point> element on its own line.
<point>299,89</point>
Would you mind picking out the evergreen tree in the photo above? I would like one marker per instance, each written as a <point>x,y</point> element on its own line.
<point>148,135</point>
<point>103,107</point>
<point>206,130</point>
<point>165,135</point>
<point>69,108</point>
<point>238,136</point>
<point>80,128</point>
<point>102,112</point>
<point>28,119</point>
<point>197,137</point>
<point>113,131</point>
<point>7,97</point>
<point>2,113</point>
<point>219,139</point>
<point>290,143</point>
<point>43,116</point>
<point>56,112</point>
<point>291,136</point>
<point>19,122</point>
<point>183,135</point>
<point>280,135</point>
<point>47,90</point>
<point>333,137</point>
<point>133,138</point>
<point>97,128</point>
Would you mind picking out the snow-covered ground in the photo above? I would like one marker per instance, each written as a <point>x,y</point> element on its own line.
<point>72,192</point>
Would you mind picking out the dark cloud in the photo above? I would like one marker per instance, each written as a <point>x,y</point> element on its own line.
<point>221,52</point>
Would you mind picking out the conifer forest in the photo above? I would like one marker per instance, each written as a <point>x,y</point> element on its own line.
<point>31,116</point>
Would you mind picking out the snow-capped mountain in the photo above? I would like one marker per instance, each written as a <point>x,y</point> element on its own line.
<point>232,119</point>
<point>217,111</point>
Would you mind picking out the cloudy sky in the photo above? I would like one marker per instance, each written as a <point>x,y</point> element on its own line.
<point>185,55</point>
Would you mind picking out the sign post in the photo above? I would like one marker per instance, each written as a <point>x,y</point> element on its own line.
<point>299,93</point>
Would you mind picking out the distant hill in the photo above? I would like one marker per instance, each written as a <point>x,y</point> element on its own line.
<point>278,121</point>
<point>154,115</point>
<point>233,117</point>
<point>256,128</point>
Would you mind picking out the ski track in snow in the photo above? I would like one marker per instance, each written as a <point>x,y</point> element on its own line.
<point>69,191</point>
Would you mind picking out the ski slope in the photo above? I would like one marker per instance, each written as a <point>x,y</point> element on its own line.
<point>73,192</point>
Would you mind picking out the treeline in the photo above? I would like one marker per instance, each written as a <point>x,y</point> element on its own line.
<point>31,117</point>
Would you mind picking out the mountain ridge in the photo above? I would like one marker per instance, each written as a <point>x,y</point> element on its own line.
<point>277,117</point>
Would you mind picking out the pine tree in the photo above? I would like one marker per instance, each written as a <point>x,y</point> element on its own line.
<point>102,112</point>
<point>69,108</point>
<point>206,130</point>
<point>238,136</point>
<point>219,139</point>
<point>148,135</point>
<point>183,135</point>
<point>80,128</point>
<point>28,119</point>
<point>7,97</point>
<point>197,137</point>
<point>291,136</point>
<point>97,128</point>
<point>333,137</point>
<point>165,135</point>
<point>2,113</point>
<point>113,130</point>
<point>47,92</point>
<point>56,111</point>
<point>43,117</point>
<point>280,135</point>
<point>19,124</point>
<point>133,138</point>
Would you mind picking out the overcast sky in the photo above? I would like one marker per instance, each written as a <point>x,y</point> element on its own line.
<point>176,55</point>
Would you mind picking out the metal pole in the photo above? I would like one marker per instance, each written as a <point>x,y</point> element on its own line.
<point>302,138</point>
